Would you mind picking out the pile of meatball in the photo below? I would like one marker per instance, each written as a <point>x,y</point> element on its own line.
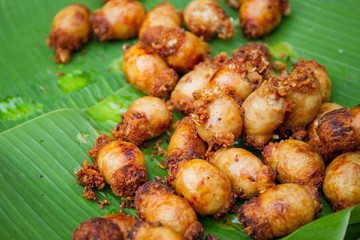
<point>286,115</point>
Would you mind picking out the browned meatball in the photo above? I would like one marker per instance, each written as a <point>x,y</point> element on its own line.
<point>260,17</point>
<point>295,161</point>
<point>146,118</point>
<point>122,166</point>
<point>207,18</point>
<point>313,137</point>
<point>147,71</point>
<point>206,187</point>
<point>152,231</point>
<point>181,49</point>
<point>185,142</point>
<point>248,175</point>
<point>241,74</point>
<point>279,211</point>
<point>112,226</point>
<point>70,30</point>
<point>182,97</point>
<point>157,202</point>
<point>118,19</point>
<point>342,181</point>
<point>164,15</point>
<point>218,118</point>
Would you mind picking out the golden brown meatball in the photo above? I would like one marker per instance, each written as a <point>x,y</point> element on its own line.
<point>342,181</point>
<point>339,129</point>
<point>264,111</point>
<point>206,187</point>
<point>248,175</point>
<point>185,143</point>
<point>208,19</point>
<point>112,226</point>
<point>122,166</point>
<point>260,17</point>
<point>241,74</point>
<point>313,137</point>
<point>70,30</point>
<point>157,202</point>
<point>304,91</point>
<point>146,118</point>
<point>181,49</point>
<point>279,211</point>
<point>164,15</point>
<point>235,3</point>
<point>152,231</point>
<point>295,161</point>
<point>182,97</point>
<point>118,19</point>
<point>147,71</point>
<point>218,118</point>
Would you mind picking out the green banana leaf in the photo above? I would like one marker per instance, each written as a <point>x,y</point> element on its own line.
<point>49,122</point>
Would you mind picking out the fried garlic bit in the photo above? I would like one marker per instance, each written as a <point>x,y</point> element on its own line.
<point>304,91</point>
<point>70,30</point>
<point>313,138</point>
<point>147,71</point>
<point>264,112</point>
<point>342,181</point>
<point>185,143</point>
<point>182,97</point>
<point>323,76</point>
<point>206,18</point>
<point>235,3</point>
<point>241,74</point>
<point>339,129</point>
<point>295,161</point>
<point>260,17</point>
<point>157,202</point>
<point>122,165</point>
<point>218,118</point>
<point>118,19</point>
<point>252,46</point>
<point>164,15</point>
<point>181,49</point>
<point>146,118</point>
<point>248,175</point>
<point>149,231</point>
<point>206,187</point>
<point>112,226</point>
<point>279,211</point>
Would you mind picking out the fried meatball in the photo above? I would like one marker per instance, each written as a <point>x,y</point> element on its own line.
<point>208,19</point>
<point>235,3</point>
<point>146,118</point>
<point>295,161</point>
<point>118,19</point>
<point>218,118</point>
<point>185,142</point>
<point>157,202</point>
<point>264,111</point>
<point>241,74</point>
<point>339,129</point>
<point>279,211</point>
<point>112,226</point>
<point>260,17</point>
<point>182,97</point>
<point>147,71</point>
<point>313,137</point>
<point>252,46</point>
<point>181,49</point>
<point>323,76</point>
<point>122,166</point>
<point>248,175</point>
<point>206,187</point>
<point>342,181</point>
<point>70,30</point>
<point>304,91</point>
<point>152,231</point>
<point>164,15</point>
